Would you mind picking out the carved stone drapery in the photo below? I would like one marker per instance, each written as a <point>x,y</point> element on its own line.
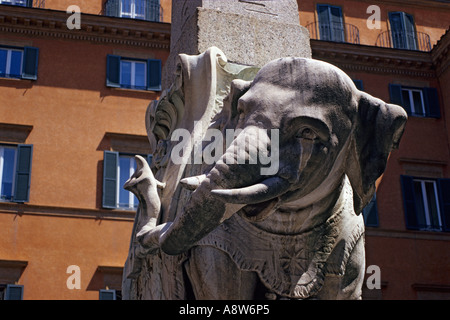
<point>189,103</point>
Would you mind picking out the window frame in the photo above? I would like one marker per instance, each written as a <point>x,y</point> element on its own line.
<point>122,14</point>
<point>2,148</point>
<point>5,291</point>
<point>153,73</point>
<point>9,51</point>
<point>102,292</point>
<point>21,172</point>
<point>13,3</point>
<point>331,35</point>
<point>108,180</point>
<point>430,100</point>
<point>133,74</point>
<point>412,105</point>
<point>29,62</point>
<point>119,186</point>
<point>413,220</point>
<point>133,14</point>
<point>403,33</point>
<point>152,10</point>
<point>426,212</point>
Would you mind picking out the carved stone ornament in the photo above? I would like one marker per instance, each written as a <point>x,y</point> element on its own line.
<point>266,188</point>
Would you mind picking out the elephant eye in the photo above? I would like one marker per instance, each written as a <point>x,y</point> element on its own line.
<point>307,133</point>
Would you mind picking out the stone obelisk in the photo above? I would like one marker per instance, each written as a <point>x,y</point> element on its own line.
<point>212,43</point>
<point>248,32</point>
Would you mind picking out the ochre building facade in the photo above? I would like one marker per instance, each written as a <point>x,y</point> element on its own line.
<point>72,110</point>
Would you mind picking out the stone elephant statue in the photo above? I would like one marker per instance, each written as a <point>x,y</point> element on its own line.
<point>290,228</point>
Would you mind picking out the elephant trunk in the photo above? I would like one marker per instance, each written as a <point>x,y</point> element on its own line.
<point>266,190</point>
<point>224,190</point>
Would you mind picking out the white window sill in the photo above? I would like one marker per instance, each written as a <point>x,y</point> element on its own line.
<point>134,90</point>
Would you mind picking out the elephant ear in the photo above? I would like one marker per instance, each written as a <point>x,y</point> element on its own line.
<point>378,129</point>
<point>237,90</point>
<point>227,119</point>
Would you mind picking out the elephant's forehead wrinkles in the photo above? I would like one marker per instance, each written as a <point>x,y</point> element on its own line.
<point>269,94</point>
<point>329,115</point>
<point>278,106</point>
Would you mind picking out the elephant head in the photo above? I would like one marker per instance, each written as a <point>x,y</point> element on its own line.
<point>324,129</point>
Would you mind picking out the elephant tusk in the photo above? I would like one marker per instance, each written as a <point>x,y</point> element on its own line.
<point>260,192</point>
<point>192,183</point>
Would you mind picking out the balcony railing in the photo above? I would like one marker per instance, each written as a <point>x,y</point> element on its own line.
<point>403,40</point>
<point>149,10</point>
<point>337,32</point>
<point>39,3</point>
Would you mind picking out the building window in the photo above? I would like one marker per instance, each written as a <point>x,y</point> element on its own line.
<point>11,292</point>
<point>11,63</point>
<point>20,63</point>
<point>426,203</point>
<point>134,9</point>
<point>428,212</point>
<point>110,294</point>
<point>15,172</point>
<point>403,30</point>
<point>331,26</point>
<point>117,169</point>
<point>419,102</point>
<point>359,84</point>
<point>22,3</point>
<point>370,213</point>
<point>125,169</point>
<point>7,171</point>
<point>133,73</point>
<point>426,291</point>
<point>413,100</point>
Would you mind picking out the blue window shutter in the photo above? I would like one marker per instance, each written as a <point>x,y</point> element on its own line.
<point>444,197</point>
<point>23,173</point>
<point>152,12</point>
<point>337,25</point>
<point>410,32</point>
<point>107,294</point>
<point>112,8</point>
<point>30,63</point>
<point>359,84</point>
<point>409,202</point>
<point>397,31</point>
<point>395,92</point>
<point>370,213</point>
<point>110,163</point>
<point>14,292</point>
<point>113,71</point>
<point>3,57</point>
<point>431,102</point>
<point>149,159</point>
<point>154,74</point>
<point>324,22</point>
